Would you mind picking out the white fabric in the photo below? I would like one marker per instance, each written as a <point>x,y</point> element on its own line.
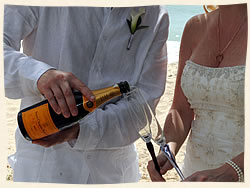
<point>217,98</point>
<point>91,43</point>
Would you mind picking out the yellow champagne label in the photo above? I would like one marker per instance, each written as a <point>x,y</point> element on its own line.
<point>38,122</point>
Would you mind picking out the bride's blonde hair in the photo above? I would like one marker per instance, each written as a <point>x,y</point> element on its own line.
<point>210,8</point>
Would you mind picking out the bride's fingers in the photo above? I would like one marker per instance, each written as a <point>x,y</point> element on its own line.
<point>167,166</point>
<point>153,173</point>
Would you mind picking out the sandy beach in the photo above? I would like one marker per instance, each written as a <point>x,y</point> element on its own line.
<point>12,107</point>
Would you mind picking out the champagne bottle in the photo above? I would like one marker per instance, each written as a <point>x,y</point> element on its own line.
<point>40,120</point>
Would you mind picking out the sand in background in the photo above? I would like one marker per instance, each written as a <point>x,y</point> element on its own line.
<point>12,107</point>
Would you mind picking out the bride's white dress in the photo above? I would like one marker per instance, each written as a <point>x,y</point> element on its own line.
<point>217,97</point>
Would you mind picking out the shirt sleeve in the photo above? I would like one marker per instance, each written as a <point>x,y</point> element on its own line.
<point>21,72</point>
<point>113,127</point>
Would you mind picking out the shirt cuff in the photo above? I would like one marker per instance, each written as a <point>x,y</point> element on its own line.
<point>89,136</point>
<point>30,76</point>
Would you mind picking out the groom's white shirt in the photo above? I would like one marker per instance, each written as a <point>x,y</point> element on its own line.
<point>92,44</point>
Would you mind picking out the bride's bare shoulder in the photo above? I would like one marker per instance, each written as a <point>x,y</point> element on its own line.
<point>196,28</point>
<point>196,23</point>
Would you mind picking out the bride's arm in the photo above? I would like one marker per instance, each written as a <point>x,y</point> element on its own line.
<point>178,120</point>
<point>225,173</point>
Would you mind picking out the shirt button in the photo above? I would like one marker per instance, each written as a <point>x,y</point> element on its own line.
<point>88,156</point>
<point>105,37</point>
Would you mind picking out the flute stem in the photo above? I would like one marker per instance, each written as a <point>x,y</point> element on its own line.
<point>152,153</point>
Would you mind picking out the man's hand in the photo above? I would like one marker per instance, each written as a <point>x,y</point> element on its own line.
<point>57,87</point>
<point>60,137</point>
<point>164,165</point>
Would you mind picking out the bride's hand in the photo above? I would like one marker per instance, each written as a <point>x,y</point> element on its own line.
<point>221,174</point>
<point>164,166</point>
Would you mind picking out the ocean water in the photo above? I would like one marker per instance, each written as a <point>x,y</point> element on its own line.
<point>178,17</point>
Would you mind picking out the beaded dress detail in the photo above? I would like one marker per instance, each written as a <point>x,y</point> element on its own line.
<point>217,97</point>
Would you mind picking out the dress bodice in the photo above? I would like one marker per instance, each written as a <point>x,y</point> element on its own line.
<point>217,97</point>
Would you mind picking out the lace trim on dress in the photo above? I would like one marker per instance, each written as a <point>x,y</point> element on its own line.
<point>231,73</point>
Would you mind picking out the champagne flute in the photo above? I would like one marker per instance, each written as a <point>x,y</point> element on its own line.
<point>148,127</point>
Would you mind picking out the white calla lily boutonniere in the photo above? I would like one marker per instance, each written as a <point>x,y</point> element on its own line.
<point>134,23</point>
